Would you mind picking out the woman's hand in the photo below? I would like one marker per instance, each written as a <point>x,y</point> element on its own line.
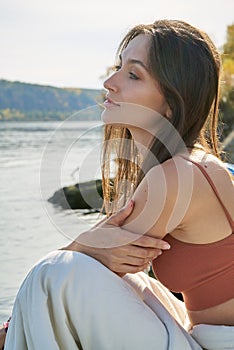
<point>120,250</point>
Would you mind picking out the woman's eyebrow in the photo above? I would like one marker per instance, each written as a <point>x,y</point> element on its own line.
<point>135,61</point>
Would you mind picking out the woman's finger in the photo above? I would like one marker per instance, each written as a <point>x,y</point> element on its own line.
<point>144,253</point>
<point>151,242</point>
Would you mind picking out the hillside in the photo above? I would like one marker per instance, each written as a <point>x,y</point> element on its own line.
<point>23,101</point>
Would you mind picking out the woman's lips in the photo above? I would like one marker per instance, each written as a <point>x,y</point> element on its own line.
<point>110,103</point>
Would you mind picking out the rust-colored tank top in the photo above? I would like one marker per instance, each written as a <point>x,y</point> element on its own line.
<point>203,273</point>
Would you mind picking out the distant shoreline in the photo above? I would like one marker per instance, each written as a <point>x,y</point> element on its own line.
<point>25,101</point>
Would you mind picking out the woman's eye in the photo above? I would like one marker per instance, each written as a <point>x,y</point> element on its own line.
<point>133,76</point>
<point>117,67</point>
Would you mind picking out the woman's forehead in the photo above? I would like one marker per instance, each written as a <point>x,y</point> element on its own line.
<point>137,48</point>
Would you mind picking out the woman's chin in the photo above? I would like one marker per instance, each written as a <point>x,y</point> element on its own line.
<point>110,116</point>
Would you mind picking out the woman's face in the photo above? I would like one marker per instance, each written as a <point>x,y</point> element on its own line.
<point>132,82</point>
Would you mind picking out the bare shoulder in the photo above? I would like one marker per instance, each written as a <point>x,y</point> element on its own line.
<point>212,180</point>
<point>213,166</point>
<point>178,175</point>
<point>171,168</point>
<point>216,171</point>
<point>184,174</point>
<point>162,197</point>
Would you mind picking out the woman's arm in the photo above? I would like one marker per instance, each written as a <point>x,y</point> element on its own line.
<point>160,202</point>
<point>120,250</point>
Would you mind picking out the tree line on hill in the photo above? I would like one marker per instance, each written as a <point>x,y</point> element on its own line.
<point>22,101</point>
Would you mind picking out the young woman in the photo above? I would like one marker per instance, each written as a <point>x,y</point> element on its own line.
<point>160,101</point>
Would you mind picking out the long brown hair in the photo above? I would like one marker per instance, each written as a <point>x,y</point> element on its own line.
<point>186,64</point>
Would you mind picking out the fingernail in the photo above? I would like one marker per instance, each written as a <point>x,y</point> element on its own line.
<point>166,246</point>
<point>130,204</point>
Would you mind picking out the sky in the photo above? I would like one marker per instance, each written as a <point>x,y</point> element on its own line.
<point>71,43</point>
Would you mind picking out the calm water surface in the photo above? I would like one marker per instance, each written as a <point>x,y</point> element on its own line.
<point>36,160</point>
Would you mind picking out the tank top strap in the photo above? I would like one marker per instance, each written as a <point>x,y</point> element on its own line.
<point>210,181</point>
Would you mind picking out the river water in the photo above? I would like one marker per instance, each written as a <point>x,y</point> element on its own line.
<point>36,159</point>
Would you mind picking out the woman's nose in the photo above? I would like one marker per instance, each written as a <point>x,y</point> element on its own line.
<point>110,84</point>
